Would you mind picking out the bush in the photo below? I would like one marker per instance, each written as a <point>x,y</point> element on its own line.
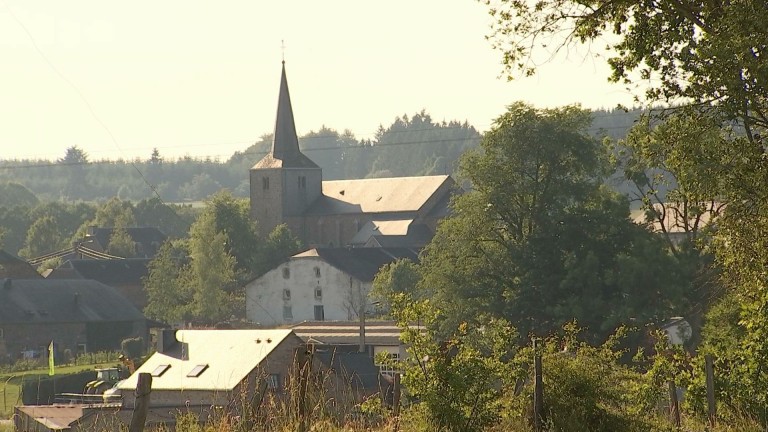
<point>132,348</point>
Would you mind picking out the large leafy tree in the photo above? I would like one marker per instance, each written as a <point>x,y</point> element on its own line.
<point>539,241</point>
<point>74,163</point>
<point>43,237</point>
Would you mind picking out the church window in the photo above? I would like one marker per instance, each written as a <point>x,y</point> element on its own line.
<point>302,182</point>
<point>286,294</point>
<point>317,271</point>
<point>287,313</point>
<point>265,183</point>
<point>286,273</point>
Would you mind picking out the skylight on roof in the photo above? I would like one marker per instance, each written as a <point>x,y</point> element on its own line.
<point>160,370</point>
<point>197,370</point>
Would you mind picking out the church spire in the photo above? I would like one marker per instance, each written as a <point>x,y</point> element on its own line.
<point>285,143</point>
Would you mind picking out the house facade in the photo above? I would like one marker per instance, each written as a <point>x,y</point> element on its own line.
<point>322,284</point>
<point>287,187</point>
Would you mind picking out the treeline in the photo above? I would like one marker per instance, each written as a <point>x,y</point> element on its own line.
<point>409,146</point>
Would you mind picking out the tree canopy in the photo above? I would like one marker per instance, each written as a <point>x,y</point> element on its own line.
<point>539,240</point>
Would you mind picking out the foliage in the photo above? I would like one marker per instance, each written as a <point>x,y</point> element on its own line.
<point>132,348</point>
<point>690,51</point>
<point>42,237</point>
<point>539,241</point>
<point>15,194</point>
<point>458,381</point>
<point>401,276</point>
<point>121,244</point>
<point>168,293</point>
<point>279,245</point>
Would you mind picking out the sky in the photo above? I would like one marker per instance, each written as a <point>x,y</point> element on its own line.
<point>199,78</point>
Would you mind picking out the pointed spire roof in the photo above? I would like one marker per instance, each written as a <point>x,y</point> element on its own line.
<point>285,151</point>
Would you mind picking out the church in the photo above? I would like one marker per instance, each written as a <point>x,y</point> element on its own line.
<point>287,187</point>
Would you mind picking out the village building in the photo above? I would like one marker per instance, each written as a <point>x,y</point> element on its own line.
<point>321,284</point>
<point>125,275</point>
<point>76,315</point>
<point>287,187</point>
<point>195,371</point>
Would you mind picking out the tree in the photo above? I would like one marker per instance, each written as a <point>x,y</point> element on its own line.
<point>115,213</point>
<point>42,237</point>
<point>401,276</point>
<point>690,51</point>
<point>121,243</point>
<point>212,271</point>
<point>153,212</point>
<point>169,294</point>
<point>231,216</point>
<point>74,162</point>
<point>539,241</point>
<point>280,245</point>
<point>15,194</point>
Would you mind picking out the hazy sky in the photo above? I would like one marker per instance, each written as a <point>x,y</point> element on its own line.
<point>201,78</point>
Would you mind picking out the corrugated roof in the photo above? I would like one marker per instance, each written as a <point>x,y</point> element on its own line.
<point>229,354</point>
<point>348,332</point>
<point>63,301</point>
<point>381,195</point>
<point>361,263</point>
<point>54,417</point>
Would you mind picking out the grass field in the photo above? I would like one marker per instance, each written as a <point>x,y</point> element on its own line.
<point>10,383</point>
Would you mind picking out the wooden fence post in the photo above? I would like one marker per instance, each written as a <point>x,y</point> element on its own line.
<point>143,390</point>
<point>674,407</point>
<point>538,389</point>
<point>710,372</point>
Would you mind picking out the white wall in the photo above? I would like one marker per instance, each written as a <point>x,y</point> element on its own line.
<point>264,300</point>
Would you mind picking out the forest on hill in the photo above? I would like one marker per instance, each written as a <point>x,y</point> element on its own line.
<point>410,146</point>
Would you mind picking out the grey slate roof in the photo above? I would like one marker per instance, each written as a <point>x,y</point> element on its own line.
<point>110,272</point>
<point>380,195</point>
<point>355,368</point>
<point>361,263</point>
<point>30,301</point>
<point>12,266</point>
<point>285,151</point>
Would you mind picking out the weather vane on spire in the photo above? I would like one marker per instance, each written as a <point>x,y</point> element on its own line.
<point>282,46</point>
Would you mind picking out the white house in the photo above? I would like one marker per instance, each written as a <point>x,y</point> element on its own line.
<point>324,284</point>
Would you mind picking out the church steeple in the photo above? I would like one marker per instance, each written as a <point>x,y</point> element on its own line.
<point>285,143</point>
<point>285,152</point>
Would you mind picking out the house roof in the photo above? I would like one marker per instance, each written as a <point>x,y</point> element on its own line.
<point>382,333</point>
<point>54,417</point>
<point>230,355</point>
<point>28,301</point>
<point>360,263</point>
<point>380,195</point>
<point>355,368</point>
<point>285,151</point>
<point>12,266</point>
<point>110,272</point>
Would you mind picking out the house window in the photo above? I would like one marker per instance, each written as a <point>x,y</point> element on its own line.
<point>286,294</point>
<point>82,349</point>
<point>319,313</point>
<point>273,382</point>
<point>317,271</point>
<point>286,273</point>
<point>390,365</point>
<point>197,370</point>
<point>318,293</point>
<point>2,335</point>
<point>287,313</point>
<point>265,183</point>
<point>160,370</point>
